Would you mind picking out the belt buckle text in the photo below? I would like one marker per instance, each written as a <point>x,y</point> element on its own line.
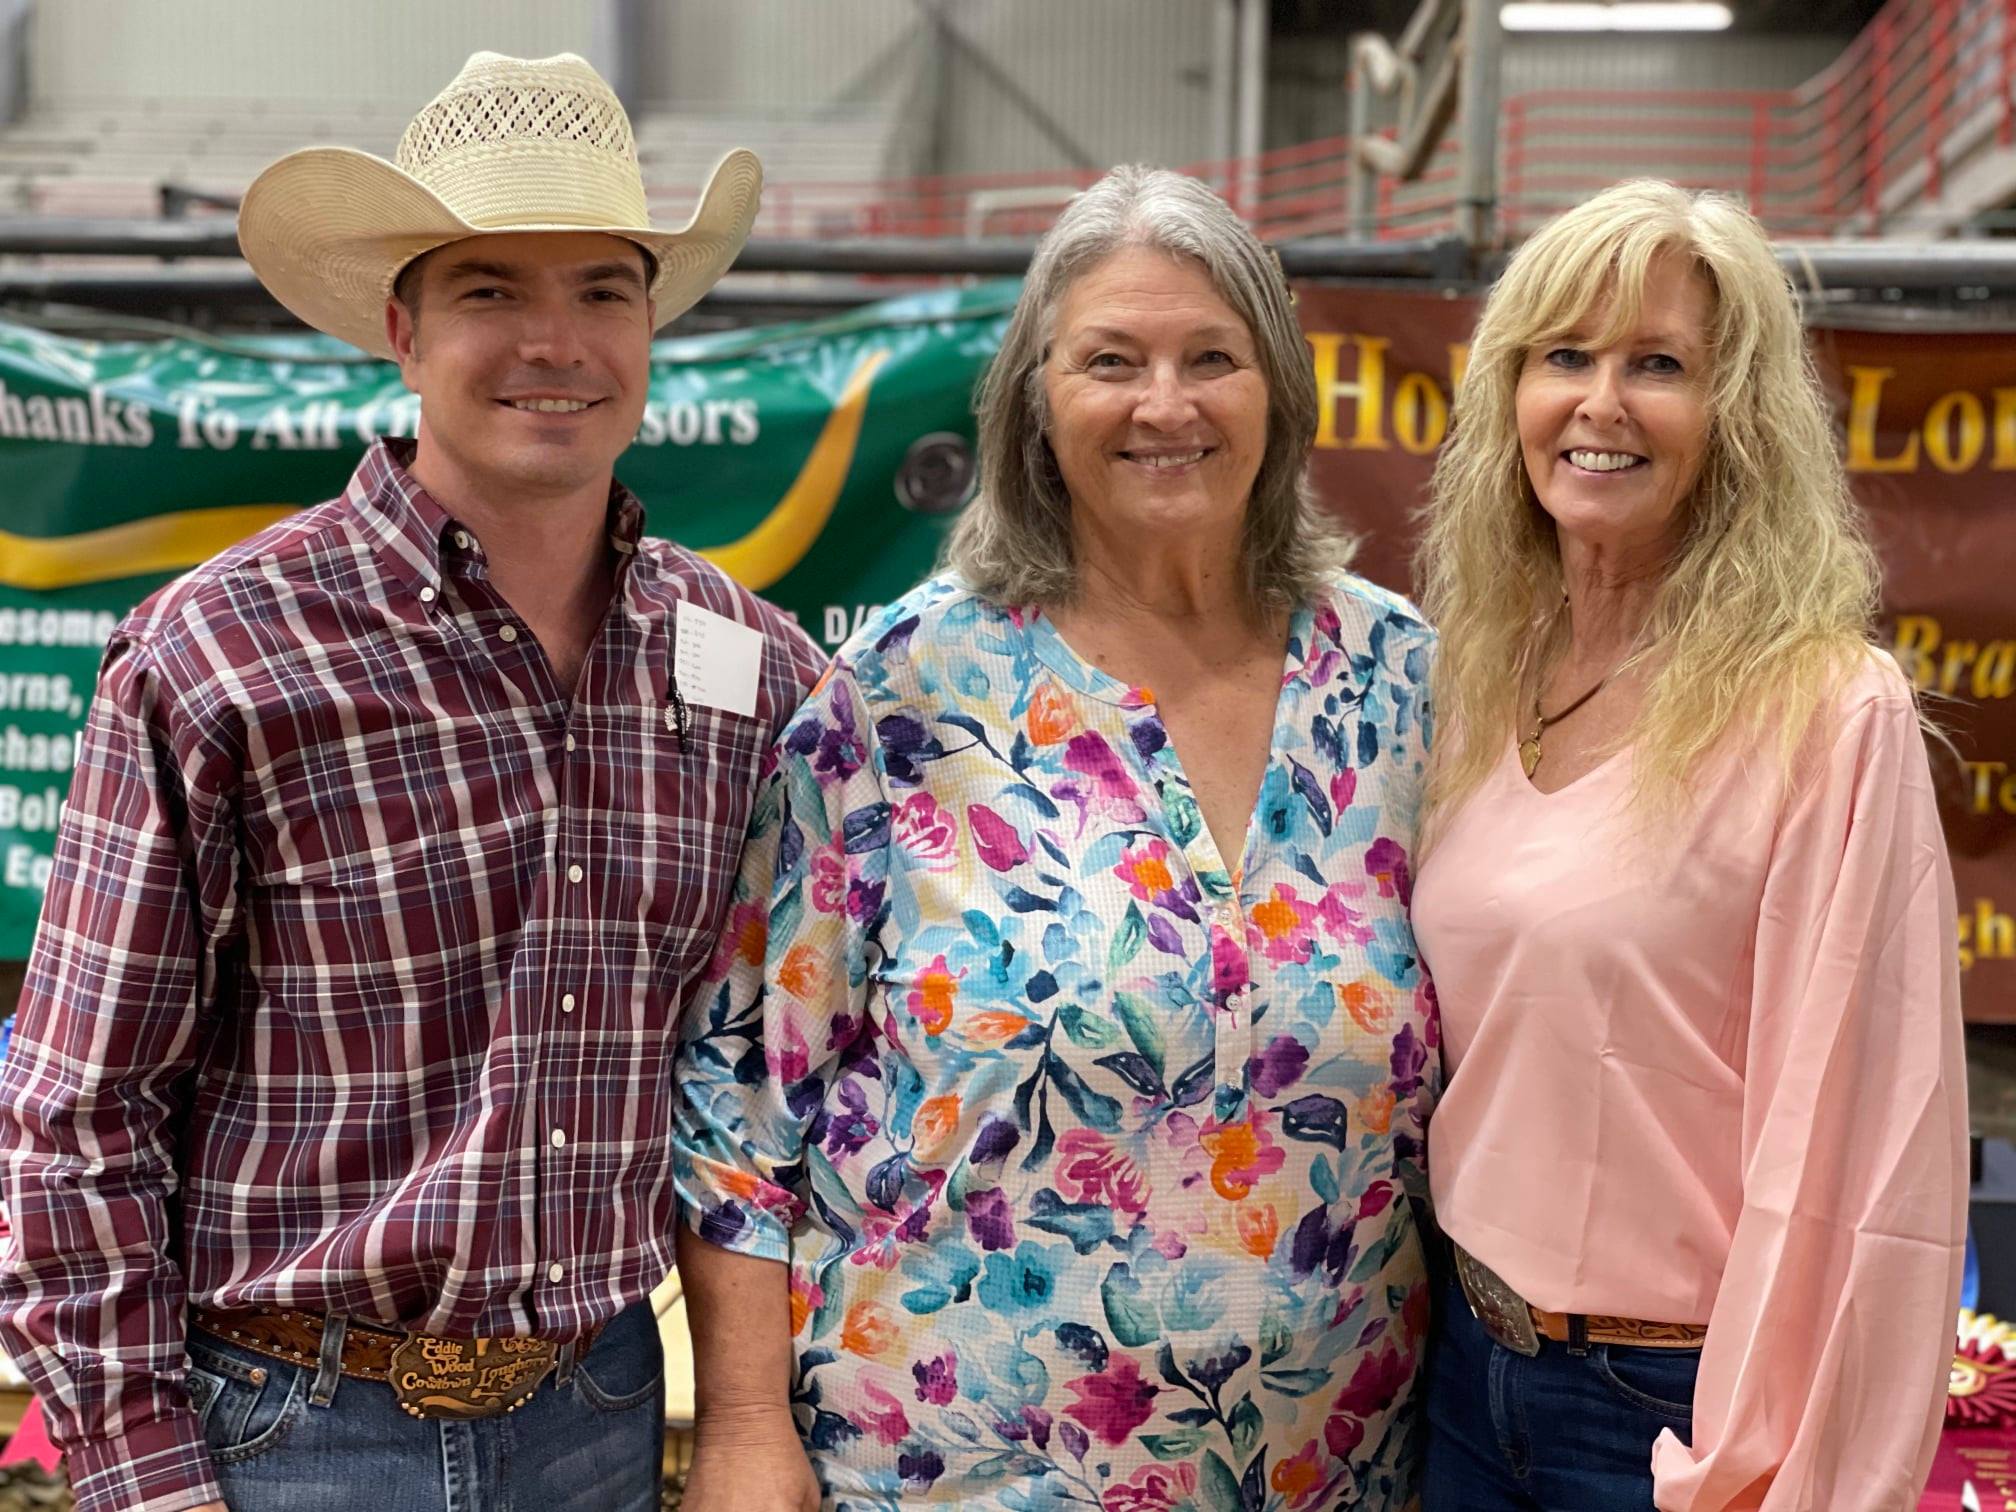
<point>468,1378</point>
<point>1501,1310</point>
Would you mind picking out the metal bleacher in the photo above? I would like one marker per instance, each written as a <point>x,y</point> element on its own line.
<point>1911,131</point>
<point>112,159</point>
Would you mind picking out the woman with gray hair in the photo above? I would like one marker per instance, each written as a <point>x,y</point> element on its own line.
<point>1052,1133</point>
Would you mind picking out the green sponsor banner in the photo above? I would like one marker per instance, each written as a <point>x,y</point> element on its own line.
<point>818,463</point>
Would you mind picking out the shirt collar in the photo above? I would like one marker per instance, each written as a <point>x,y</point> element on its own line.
<point>411,532</point>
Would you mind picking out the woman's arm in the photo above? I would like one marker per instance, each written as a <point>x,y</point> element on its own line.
<point>1823,1377</point>
<point>747,1456</point>
<point>759,1045</point>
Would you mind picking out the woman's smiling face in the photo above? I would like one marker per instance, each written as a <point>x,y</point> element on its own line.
<point>1157,403</point>
<point>1614,437</point>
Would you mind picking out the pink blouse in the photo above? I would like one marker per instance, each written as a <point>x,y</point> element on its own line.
<point>1710,1071</point>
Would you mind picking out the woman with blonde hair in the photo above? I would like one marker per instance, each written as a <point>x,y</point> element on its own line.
<point>1701,1153</point>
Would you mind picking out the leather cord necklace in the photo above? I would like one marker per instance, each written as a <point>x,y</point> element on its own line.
<point>1529,748</point>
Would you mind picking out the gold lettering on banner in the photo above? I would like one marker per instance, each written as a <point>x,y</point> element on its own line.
<point>1974,669</point>
<point>1951,452</point>
<point>1991,787</point>
<point>1420,414</point>
<point>1995,672</point>
<point>1417,404</point>
<point>1986,934</point>
<point>1366,403</point>
<point>1955,434</point>
<point>2005,430</point>
<point>1368,391</point>
<point>1865,398</point>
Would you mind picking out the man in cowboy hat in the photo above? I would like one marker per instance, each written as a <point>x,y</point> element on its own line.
<point>336,1122</point>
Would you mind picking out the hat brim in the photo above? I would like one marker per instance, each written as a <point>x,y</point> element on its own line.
<point>327,230</point>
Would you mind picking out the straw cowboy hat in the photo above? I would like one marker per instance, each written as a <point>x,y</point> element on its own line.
<point>513,144</point>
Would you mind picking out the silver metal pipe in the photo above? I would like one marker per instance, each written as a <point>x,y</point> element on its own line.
<point>1477,182</point>
<point>1253,18</point>
<point>1361,184</point>
<point>617,42</point>
<point>1224,90</point>
<point>938,257</point>
<point>1988,267</point>
<point>14,60</point>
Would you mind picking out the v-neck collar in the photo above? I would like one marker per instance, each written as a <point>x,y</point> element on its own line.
<point>1078,674</point>
<point>1218,877</point>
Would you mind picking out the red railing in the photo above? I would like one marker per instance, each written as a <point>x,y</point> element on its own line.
<point>1292,192</point>
<point>1854,149</point>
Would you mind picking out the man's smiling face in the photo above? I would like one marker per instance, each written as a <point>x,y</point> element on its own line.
<point>531,356</point>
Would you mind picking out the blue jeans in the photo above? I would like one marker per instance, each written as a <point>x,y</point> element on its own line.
<point>590,1445</point>
<point>1556,1433</point>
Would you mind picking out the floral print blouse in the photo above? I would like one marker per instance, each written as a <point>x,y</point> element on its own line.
<point>1095,1155</point>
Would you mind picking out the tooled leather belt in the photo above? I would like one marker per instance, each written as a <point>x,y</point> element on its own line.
<point>433,1377</point>
<point>1520,1326</point>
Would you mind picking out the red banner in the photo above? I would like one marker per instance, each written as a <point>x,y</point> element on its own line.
<point>1930,438</point>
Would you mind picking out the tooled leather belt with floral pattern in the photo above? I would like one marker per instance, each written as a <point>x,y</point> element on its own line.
<point>432,1377</point>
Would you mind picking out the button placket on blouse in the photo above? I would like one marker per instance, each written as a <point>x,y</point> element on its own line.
<point>1218,897</point>
<point>1161,773</point>
<point>1233,1021</point>
<point>1232,1032</point>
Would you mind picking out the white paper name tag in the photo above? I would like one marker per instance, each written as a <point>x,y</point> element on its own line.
<point>717,660</point>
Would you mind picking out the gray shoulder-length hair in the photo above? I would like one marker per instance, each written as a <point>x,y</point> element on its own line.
<point>1013,543</point>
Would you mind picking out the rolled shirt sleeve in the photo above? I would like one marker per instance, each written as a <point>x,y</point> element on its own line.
<point>141,900</point>
<point>785,998</point>
<point>1822,1378</point>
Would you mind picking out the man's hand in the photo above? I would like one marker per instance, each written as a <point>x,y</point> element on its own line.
<point>211,1507</point>
<point>750,1460</point>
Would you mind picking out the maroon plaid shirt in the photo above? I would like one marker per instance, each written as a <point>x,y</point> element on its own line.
<point>356,982</point>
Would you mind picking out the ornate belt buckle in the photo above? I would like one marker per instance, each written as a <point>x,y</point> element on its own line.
<point>467,1378</point>
<point>1501,1310</point>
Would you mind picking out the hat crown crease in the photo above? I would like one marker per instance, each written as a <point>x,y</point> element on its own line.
<point>530,117</point>
<point>458,142</point>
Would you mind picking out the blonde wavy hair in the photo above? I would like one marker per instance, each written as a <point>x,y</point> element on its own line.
<point>1770,595</point>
